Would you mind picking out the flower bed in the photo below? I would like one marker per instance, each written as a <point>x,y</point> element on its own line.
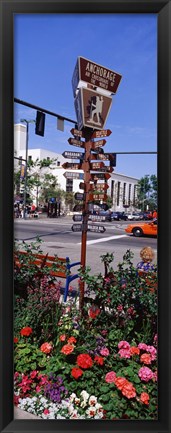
<point>99,363</point>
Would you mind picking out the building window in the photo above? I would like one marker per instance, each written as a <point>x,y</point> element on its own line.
<point>30,158</point>
<point>135,195</point>
<point>112,189</point>
<point>58,163</point>
<point>118,193</point>
<point>48,158</point>
<point>69,185</point>
<point>129,194</point>
<point>124,193</point>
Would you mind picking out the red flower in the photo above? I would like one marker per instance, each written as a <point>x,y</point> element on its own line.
<point>67,349</point>
<point>46,348</point>
<point>93,312</point>
<point>15,340</point>
<point>25,332</point>
<point>62,337</point>
<point>99,360</point>
<point>72,340</point>
<point>134,350</point>
<point>145,358</point>
<point>144,398</point>
<point>84,361</point>
<point>76,372</point>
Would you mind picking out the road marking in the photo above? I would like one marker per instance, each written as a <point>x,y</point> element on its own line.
<point>96,241</point>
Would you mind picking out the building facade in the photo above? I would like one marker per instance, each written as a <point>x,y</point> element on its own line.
<point>122,189</point>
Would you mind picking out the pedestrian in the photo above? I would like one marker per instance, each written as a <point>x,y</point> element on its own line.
<point>147,255</point>
<point>155,214</point>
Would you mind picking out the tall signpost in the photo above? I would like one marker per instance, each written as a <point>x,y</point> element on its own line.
<point>92,106</point>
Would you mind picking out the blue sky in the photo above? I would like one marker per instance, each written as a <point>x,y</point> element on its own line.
<point>46,47</point>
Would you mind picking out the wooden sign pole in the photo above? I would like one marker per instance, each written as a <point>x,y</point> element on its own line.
<point>86,167</point>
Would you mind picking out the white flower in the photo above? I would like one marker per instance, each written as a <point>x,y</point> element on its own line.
<point>85,395</point>
<point>92,400</point>
<point>77,401</point>
<point>72,396</point>
<point>70,408</point>
<point>74,414</point>
<point>91,412</point>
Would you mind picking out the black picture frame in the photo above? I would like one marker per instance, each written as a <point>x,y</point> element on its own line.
<point>7,10</point>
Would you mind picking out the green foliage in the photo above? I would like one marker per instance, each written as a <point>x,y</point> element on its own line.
<point>28,357</point>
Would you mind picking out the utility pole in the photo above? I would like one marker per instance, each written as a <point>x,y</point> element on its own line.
<point>26,163</point>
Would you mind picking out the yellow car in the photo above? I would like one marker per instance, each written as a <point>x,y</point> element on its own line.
<point>141,229</point>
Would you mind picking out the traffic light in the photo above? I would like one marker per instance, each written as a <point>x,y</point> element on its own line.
<point>113,160</point>
<point>40,123</point>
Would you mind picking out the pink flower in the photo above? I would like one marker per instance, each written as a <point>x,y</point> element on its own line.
<point>38,389</point>
<point>110,377</point>
<point>46,411</point>
<point>104,351</point>
<point>119,307</point>
<point>153,352</point>
<point>124,353</point>
<point>123,345</point>
<point>142,346</point>
<point>145,374</point>
<point>33,374</point>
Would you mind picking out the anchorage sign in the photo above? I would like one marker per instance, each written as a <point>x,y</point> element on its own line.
<point>97,75</point>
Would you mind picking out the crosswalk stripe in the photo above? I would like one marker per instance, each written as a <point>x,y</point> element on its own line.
<point>110,238</point>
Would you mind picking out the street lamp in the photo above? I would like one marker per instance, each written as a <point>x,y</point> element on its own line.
<point>25,179</point>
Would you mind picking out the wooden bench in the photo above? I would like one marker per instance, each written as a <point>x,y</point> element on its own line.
<point>60,267</point>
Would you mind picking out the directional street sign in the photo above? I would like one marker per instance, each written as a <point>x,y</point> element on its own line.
<point>76,132</point>
<point>103,133</point>
<point>96,165</point>
<point>93,197</point>
<point>105,169</point>
<point>77,217</point>
<point>78,208</point>
<point>97,218</point>
<point>97,229</point>
<point>98,187</point>
<point>105,157</point>
<point>96,75</point>
<point>97,176</point>
<point>72,166</point>
<point>76,227</point>
<point>98,150</point>
<point>79,196</point>
<point>77,143</point>
<point>73,175</point>
<point>98,143</point>
<point>73,155</point>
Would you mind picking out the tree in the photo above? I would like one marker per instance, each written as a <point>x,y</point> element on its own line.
<point>147,192</point>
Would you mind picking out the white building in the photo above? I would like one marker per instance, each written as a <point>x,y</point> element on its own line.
<point>122,189</point>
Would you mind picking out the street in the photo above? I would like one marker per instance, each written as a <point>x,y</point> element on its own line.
<point>58,238</point>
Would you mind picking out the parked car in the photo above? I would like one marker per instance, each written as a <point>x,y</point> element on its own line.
<point>134,216</point>
<point>141,229</point>
<point>116,216</point>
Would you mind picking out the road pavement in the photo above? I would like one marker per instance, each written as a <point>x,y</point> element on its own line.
<point>58,238</point>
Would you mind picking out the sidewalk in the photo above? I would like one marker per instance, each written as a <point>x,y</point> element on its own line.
<point>22,414</point>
